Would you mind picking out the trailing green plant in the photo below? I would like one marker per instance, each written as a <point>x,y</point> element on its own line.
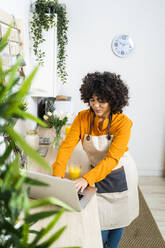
<point>16,219</point>
<point>44,18</point>
<point>49,104</point>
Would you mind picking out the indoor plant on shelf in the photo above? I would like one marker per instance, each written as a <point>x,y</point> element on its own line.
<point>16,219</point>
<point>44,14</point>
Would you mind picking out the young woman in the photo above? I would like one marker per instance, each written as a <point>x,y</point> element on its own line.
<point>104,132</point>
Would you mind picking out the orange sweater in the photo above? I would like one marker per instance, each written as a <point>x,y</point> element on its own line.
<point>120,128</point>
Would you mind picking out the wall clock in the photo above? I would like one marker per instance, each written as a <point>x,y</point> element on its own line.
<point>122,45</point>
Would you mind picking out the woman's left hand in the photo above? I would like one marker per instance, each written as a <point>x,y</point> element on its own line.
<point>81,184</point>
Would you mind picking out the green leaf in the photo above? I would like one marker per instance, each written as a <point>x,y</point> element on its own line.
<point>11,175</point>
<point>49,201</point>
<point>2,46</point>
<point>6,72</point>
<point>34,231</point>
<point>19,183</point>
<point>6,154</point>
<point>22,92</point>
<point>11,79</point>
<point>15,206</point>
<point>14,234</point>
<point>1,182</point>
<point>29,116</point>
<point>52,238</point>
<point>45,230</point>
<point>26,148</point>
<point>26,205</point>
<point>31,181</point>
<point>25,234</point>
<point>4,39</point>
<point>31,219</point>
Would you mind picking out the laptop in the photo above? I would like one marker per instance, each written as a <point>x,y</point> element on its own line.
<point>63,189</point>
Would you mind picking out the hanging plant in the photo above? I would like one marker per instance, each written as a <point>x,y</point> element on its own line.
<point>44,18</point>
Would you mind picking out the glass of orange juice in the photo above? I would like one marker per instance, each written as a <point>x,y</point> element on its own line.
<point>74,171</point>
<point>67,129</point>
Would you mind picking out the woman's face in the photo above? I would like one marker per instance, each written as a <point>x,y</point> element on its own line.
<point>101,109</point>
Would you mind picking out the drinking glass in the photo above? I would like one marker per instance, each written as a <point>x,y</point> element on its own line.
<point>74,171</point>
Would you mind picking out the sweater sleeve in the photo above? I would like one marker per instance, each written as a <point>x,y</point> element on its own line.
<point>66,148</point>
<point>116,151</point>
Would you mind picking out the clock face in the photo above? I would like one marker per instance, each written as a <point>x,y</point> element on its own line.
<point>122,45</point>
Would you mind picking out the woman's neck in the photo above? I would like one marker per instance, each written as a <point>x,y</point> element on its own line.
<point>102,118</point>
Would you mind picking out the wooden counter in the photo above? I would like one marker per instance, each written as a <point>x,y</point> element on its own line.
<point>83,228</point>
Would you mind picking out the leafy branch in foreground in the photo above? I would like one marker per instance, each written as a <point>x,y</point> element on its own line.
<point>17,215</point>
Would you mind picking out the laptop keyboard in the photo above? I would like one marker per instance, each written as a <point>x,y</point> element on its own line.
<point>80,196</point>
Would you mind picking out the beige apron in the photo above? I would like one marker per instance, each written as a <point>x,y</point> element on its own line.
<point>118,193</point>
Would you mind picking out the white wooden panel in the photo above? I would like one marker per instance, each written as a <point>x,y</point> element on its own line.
<point>15,38</point>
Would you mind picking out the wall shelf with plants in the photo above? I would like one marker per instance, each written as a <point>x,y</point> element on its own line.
<point>45,15</point>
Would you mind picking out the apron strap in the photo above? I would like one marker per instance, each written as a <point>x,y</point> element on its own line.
<point>109,125</point>
<point>92,124</point>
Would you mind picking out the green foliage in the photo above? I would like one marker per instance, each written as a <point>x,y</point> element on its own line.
<point>49,105</point>
<point>58,124</point>
<point>23,106</point>
<point>16,219</point>
<point>43,19</point>
<point>55,120</point>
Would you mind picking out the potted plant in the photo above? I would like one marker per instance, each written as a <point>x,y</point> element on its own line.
<point>44,14</point>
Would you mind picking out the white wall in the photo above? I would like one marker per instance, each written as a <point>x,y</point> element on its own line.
<point>93,24</point>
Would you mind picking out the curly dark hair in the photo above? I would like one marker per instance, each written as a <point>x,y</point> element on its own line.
<point>108,87</point>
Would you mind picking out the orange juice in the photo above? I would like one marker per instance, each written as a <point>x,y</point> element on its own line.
<point>67,129</point>
<point>74,172</point>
